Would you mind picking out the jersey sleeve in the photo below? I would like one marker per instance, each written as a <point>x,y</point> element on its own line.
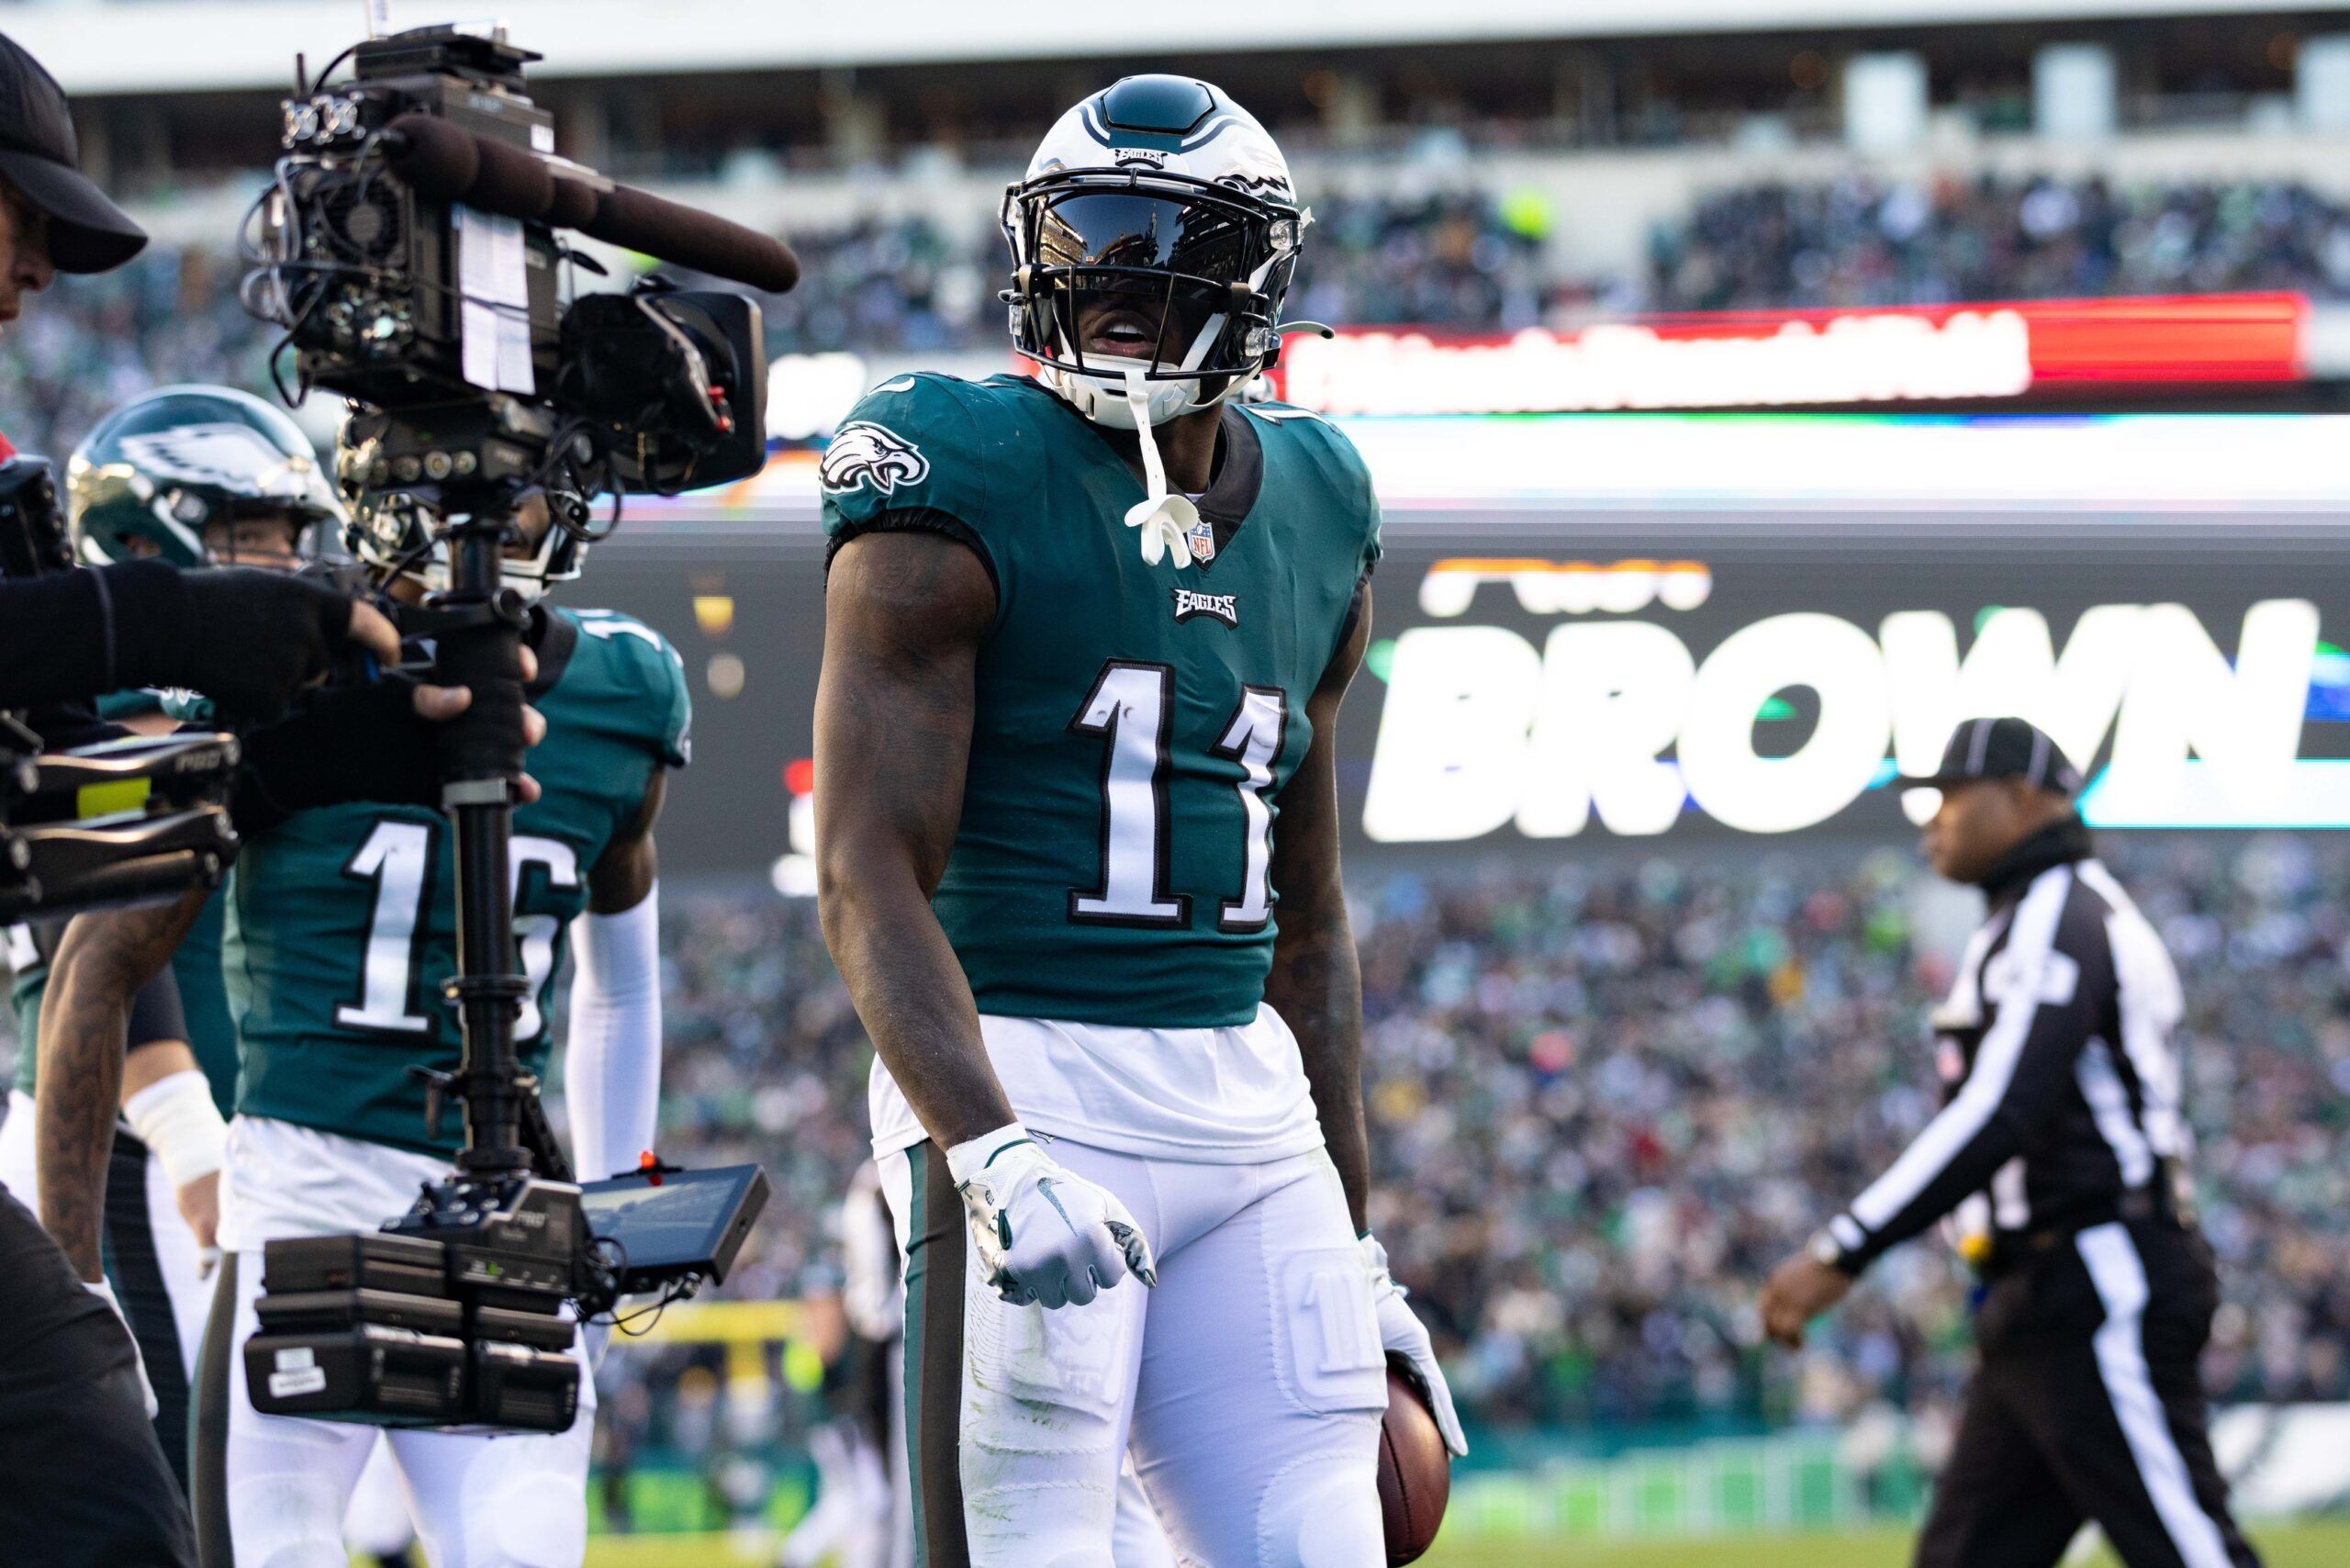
<point>651,679</point>
<point>1362,497</point>
<point>675,740</point>
<point>1346,474</point>
<point>910,456</point>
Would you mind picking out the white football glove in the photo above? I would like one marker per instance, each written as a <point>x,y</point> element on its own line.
<point>1401,1333</point>
<point>1044,1234</point>
<point>105,1293</point>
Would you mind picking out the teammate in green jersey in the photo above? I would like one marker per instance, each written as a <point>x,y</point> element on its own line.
<point>341,932</point>
<point>190,475</point>
<point>1086,641</point>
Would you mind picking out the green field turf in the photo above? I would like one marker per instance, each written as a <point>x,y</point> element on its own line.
<point>2318,1545</point>
<point>2321,1545</point>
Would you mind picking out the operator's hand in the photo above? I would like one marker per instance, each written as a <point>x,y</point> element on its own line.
<point>254,638</point>
<point>1405,1337</point>
<point>1043,1235</point>
<point>105,1293</point>
<point>1799,1290</point>
<point>439,704</point>
<point>371,741</point>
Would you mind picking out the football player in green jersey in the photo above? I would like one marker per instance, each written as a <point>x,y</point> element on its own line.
<point>342,932</point>
<point>190,475</point>
<point>1085,645</point>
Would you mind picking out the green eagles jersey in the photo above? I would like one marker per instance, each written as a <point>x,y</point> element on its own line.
<point>195,968</point>
<point>343,929</point>
<point>1135,723</point>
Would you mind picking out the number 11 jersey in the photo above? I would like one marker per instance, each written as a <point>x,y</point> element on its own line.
<point>1134,723</point>
<point>341,927</point>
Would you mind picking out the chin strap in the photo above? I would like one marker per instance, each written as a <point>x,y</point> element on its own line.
<point>1166,521</point>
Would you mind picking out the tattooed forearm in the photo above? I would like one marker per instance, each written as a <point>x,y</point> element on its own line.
<point>101,962</point>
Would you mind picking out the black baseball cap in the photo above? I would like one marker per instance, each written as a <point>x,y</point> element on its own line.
<point>40,157</point>
<point>2000,748</point>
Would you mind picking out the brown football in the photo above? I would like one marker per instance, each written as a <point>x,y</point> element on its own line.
<point>1415,1471</point>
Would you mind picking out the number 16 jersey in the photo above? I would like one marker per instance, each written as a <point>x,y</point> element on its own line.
<point>1134,723</point>
<point>342,924</point>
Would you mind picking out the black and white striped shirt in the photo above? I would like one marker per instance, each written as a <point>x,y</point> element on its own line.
<point>2060,1084</point>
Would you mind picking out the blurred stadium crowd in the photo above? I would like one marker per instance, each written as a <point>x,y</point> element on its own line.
<point>1455,260</point>
<point>1605,1102</point>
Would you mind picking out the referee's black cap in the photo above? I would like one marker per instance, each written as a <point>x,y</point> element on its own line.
<point>2000,748</point>
<point>40,156</point>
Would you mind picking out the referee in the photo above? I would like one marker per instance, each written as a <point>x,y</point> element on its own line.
<point>2058,1152</point>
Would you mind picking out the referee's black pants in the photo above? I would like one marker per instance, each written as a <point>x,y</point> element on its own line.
<point>2087,1405</point>
<point>81,1479</point>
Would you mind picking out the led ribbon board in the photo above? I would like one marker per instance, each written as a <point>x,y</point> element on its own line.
<point>1602,700</point>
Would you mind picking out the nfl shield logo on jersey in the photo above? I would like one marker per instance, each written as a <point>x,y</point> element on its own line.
<point>1201,537</point>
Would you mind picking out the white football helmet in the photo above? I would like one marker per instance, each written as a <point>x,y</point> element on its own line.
<point>1164,196</point>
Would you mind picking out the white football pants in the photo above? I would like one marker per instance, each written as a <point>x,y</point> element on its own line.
<point>1247,1386</point>
<point>1136,1539</point>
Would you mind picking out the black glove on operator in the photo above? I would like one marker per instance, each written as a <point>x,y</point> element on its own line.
<point>363,741</point>
<point>247,639</point>
<point>359,742</point>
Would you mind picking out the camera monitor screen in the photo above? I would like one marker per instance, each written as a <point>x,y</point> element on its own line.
<point>690,1222</point>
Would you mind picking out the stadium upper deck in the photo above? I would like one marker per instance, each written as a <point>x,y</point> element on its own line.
<point>746,93</point>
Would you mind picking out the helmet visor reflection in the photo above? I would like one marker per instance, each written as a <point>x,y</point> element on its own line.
<point>1132,228</point>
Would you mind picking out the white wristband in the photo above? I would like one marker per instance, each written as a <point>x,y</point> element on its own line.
<point>175,1118</point>
<point>966,1160</point>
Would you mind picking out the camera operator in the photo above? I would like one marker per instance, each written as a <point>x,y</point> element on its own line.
<point>88,1481</point>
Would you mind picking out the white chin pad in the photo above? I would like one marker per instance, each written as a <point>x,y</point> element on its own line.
<point>1099,392</point>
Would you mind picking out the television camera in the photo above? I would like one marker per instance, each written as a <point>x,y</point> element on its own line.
<point>411,245</point>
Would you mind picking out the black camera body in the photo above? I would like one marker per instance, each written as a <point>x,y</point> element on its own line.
<point>107,823</point>
<point>398,290</point>
<point>385,321</point>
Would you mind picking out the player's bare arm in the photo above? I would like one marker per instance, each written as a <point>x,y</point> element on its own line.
<point>904,617</point>
<point>625,872</point>
<point>101,962</point>
<point>1316,983</point>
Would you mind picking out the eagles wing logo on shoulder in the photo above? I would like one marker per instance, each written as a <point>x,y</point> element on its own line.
<point>862,453</point>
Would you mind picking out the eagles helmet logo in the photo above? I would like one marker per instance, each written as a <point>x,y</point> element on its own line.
<point>217,454</point>
<point>863,452</point>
